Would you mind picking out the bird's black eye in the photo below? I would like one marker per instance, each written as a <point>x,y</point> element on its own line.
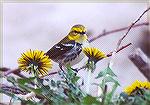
<point>76,32</point>
<point>83,33</point>
<point>79,32</point>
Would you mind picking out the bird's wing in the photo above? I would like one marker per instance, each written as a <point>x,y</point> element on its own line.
<point>60,49</point>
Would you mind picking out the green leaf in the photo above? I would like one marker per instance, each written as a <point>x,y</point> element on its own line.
<point>111,94</point>
<point>7,93</point>
<point>12,80</point>
<point>58,83</point>
<point>110,79</point>
<point>75,79</point>
<point>90,100</point>
<point>26,80</point>
<point>70,72</point>
<point>91,66</point>
<point>37,91</point>
<point>105,72</point>
<point>45,89</point>
<point>147,95</point>
<point>110,72</point>
<point>72,75</point>
<point>124,95</point>
<point>53,83</point>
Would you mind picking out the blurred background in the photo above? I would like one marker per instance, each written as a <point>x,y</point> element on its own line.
<point>41,25</point>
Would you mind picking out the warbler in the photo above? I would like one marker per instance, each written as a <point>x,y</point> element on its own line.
<point>69,50</point>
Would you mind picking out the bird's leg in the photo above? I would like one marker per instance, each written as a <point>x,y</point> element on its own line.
<point>61,67</point>
<point>78,69</point>
<point>63,72</point>
<point>75,70</point>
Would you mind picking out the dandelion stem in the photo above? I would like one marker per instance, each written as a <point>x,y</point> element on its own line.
<point>88,81</point>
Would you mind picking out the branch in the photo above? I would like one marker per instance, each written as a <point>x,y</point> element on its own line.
<point>18,92</point>
<point>12,89</point>
<point>123,47</point>
<point>141,61</point>
<point>130,27</point>
<point>15,71</point>
<point>8,71</point>
<point>104,33</point>
<point>121,39</point>
<point>2,103</point>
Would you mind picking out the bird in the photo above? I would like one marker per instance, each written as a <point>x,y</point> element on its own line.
<point>68,51</point>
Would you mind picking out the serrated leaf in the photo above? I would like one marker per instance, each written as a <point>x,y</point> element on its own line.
<point>110,72</point>
<point>101,74</point>
<point>110,79</point>
<point>105,72</point>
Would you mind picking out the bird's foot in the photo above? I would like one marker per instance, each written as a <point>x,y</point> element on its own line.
<point>75,70</point>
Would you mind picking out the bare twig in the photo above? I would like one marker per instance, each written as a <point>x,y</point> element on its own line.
<point>2,103</point>
<point>110,54</point>
<point>15,71</point>
<point>130,27</point>
<point>121,39</point>
<point>141,61</point>
<point>12,89</point>
<point>4,69</point>
<point>7,71</point>
<point>104,33</point>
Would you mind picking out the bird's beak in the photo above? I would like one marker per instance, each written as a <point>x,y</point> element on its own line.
<point>85,37</point>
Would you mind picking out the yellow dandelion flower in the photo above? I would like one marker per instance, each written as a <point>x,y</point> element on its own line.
<point>94,54</point>
<point>35,60</point>
<point>137,85</point>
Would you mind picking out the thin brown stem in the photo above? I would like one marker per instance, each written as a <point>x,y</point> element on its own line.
<point>123,47</point>
<point>10,102</point>
<point>130,27</point>
<point>15,71</point>
<point>12,89</point>
<point>121,39</point>
<point>104,95</point>
<point>7,71</point>
<point>52,73</point>
<point>105,33</point>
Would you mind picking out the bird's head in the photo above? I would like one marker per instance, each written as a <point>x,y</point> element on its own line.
<point>78,33</point>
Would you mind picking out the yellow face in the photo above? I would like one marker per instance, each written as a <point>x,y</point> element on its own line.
<point>78,33</point>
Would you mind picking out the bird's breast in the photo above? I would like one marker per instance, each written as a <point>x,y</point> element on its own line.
<point>74,59</point>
